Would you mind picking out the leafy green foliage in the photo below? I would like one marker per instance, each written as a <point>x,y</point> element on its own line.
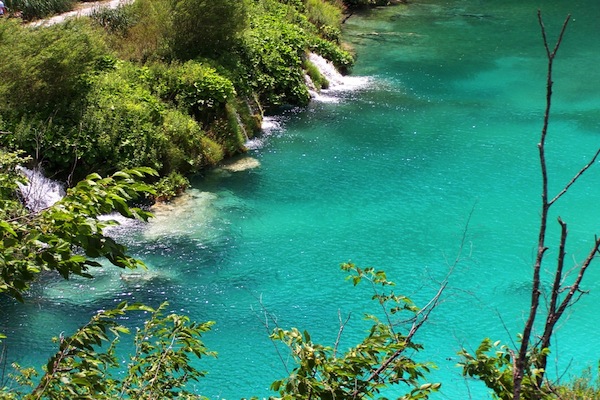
<point>185,150</point>
<point>120,123</point>
<point>36,9</point>
<point>326,17</point>
<point>207,28</point>
<point>193,87</point>
<point>147,37</point>
<point>275,48</point>
<point>10,206</point>
<point>67,236</point>
<point>492,363</point>
<point>159,368</point>
<point>362,371</point>
<point>342,60</point>
<point>584,387</point>
<point>171,186</point>
<point>46,71</point>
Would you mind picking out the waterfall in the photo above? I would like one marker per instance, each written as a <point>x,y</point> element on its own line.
<point>39,192</point>
<point>338,83</point>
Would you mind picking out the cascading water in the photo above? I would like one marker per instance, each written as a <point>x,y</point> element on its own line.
<point>338,86</point>
<point>338,83</point>
<point>39,192</point>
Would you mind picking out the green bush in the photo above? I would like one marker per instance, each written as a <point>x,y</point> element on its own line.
<point>212,151</point>
<point>53,144</point>
<point>315,75</point>
<point>122,123</point>
<point>114,20</point>
<point>202,91</point>
<point>148,36</point>
<point>193,87</point>
<point>207,28</point>
<point>342,59</point>
<point>10,206</point>
<point>275,48</point>
<point>170,186</point>
<point>321,13</point>
<point>36,9</point>
<point>183,149</point>
<point>47,71</point>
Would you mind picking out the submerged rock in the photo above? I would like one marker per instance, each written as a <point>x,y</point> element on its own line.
<point>240,164</point>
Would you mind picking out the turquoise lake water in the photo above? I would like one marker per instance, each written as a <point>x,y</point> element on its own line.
<point>444,126</point>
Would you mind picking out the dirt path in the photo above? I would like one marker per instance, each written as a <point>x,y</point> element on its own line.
<point>82,10</point>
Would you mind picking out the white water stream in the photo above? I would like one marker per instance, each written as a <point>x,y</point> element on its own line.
<point>39,192</point>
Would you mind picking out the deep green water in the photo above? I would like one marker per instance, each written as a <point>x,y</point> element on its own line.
<point>386,176</point>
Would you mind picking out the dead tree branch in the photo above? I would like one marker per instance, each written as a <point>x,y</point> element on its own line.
<point>557,303</point>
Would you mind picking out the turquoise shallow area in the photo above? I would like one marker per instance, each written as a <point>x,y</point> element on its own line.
<point>386,176</point>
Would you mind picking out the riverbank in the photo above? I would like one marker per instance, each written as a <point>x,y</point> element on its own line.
<point>173,98</point>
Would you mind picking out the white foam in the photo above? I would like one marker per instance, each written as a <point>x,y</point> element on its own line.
<point>39,192</point>
<point>270,125</point>
<point>338,83</point>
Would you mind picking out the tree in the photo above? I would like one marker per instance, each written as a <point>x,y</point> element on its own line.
<point>207,28</point>
<point>384,358</point>
<point>159,368</point>
<point>521,373</point>
<point>45,72</point>
<point>66,237</point>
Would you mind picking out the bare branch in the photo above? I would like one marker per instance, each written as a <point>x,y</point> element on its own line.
<point>340,331</point>
<point>575,178</point>
<point>268,316</point>
<point>520,361</point>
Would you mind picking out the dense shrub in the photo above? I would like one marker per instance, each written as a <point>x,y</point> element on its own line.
<point>114,20</point>
<point>36,9</point>
<point>193,87</point>
<point>146,36</point>
<point>129,124</point>
<point>342,60</point>
<point>275,48</point>
<point>207,28</point>
<point>54,145</point>
<point>46,71</point>
<point>326,17</point>
<point>120,123</point>
<point>170,186</point>
<point>183,150</point>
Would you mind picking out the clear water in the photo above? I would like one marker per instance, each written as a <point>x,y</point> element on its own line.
<point>385,176</point>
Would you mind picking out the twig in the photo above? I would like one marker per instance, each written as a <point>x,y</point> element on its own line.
<point>575,178</point>
<point>269,316</point>
<point>340,331</point>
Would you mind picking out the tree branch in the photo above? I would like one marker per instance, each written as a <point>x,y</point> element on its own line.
<point>575,178</point>
<point>520,363</point>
